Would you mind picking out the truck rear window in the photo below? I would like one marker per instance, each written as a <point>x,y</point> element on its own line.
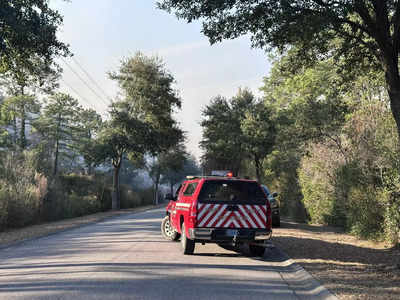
<point>231,191</point>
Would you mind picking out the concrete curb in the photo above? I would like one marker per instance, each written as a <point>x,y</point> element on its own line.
<point>302,283</point>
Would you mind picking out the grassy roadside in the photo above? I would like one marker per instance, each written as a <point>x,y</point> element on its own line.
<point>348,267</point>
<point>12,236</point>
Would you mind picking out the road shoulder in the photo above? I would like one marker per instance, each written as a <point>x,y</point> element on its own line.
<point>348,267</point>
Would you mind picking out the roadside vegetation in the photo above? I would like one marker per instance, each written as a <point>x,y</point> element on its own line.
<point>61,160</point>
<point>325,134</point>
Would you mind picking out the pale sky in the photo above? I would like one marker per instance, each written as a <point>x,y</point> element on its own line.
<point>101,32</point>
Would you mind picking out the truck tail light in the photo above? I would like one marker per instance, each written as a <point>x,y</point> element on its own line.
<point>269,215</point>
<point>193,214</point>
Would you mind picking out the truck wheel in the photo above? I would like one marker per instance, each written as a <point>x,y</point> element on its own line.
<point>168,232</point>
<point>276,222</point>
<point>256,250</point>
<point>187,244</point>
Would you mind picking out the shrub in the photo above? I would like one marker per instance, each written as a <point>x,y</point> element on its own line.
<point>317,181</point>
<point>75,195</point>
<point>365,215</point>
<point>3,205</point>
<point>22,191</point>
<point>390,200</point>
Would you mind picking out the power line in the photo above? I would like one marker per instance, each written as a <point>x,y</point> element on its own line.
<point>76,92</point>
<point>84,81</point>
<point>91,78</point>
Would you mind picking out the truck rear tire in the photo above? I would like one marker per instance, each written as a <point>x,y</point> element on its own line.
<point>256,250</point>
<point>187,244</point>
<point>168,232</point>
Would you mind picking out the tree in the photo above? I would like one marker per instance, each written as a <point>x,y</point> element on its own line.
<point>175,172</point>
<point>30,75</point>
<point>259,134</point>
<point>363,32</point>
<point>58,123</point>
<point>222,133</point>
<point>221,137</point>
<point>4,135</point>
<point>168,161</point>
<point>90,124</point>
<point>142,119</point>
<point>28,28</point>
<point>120,135</point>
<point>22,108</point>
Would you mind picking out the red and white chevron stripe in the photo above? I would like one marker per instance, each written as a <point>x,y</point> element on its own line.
<point>217,215</point>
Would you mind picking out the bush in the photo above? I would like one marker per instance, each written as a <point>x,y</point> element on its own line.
<point>365,215</point>
<point>356,187</point>
<point>75,195</point>
<point>281,176</point>
<point>391,224</point>
<point>28,197</point>
<point>3,205</point>
<point>22,190</point>
<point>316,178</point>
<point>131,198</point>
<point>128,197</point>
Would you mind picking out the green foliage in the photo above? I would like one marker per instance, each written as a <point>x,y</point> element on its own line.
<point>59,124</point>
<point>89,125</point>
<point>310,25</point>
<point>230,136</point>
<point>28,28</point>
<point>143,118</point>
<point>135,198</point>
<point>356,189</point>
<point>259,133</point>
<point>20,108</point>
<point>76,195</point>
<point>22,190</point>
<point>221,140</point>
<point>178,167</point>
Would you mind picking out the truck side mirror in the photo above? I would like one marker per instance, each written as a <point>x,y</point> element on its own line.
<point>274,194</point>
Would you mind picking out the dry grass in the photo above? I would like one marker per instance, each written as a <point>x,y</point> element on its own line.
<point>16,235</point>
<point>348,267</point>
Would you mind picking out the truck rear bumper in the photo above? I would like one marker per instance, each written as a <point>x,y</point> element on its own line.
<point>229,235</point>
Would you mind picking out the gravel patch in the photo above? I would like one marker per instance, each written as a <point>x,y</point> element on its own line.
<point>348,267</point>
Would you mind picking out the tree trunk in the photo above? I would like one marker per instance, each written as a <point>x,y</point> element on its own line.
<point>55,167</point>
<point>393,87</point>
<point>116,203</point>
<point>15,135</point>
<point>56,151</point>
<point>156,184</point>
<point>90,169</point>
<point>171,185</point>
<point>257,164</point>
<point>22,137</point>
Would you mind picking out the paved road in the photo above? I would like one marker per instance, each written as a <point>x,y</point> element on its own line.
<point>126,258</point>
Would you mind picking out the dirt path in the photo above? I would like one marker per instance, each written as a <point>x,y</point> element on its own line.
<point>348,267</point>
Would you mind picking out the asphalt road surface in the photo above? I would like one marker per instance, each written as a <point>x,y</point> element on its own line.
<point>126,258</point>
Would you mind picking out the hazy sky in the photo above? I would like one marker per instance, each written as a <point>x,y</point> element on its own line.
<point>101,32</point>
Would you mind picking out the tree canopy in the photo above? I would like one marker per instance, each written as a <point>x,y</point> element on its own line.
<point>142,119</point>
<point>362,32</point>
<point>28,28</point>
